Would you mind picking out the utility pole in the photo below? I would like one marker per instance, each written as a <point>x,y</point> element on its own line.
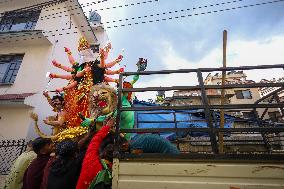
<point>222,114</point>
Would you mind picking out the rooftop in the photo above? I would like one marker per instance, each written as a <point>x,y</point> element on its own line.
<point>15,96</point>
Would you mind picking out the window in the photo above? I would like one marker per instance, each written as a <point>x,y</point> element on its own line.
<point>274,116</point>
<point>248,115</point>
<point>243,94</point>
<point>9,66</point>
<point>17,21</point>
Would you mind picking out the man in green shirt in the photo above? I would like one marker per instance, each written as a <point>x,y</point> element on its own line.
<point>15,178</point>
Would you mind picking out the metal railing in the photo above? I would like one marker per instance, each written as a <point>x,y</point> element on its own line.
<point>213,129</point>
<point>9,151</point>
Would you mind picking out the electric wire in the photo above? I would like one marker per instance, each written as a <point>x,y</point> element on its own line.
<point>52,3</point>
<point>52,16</point>
<point>176,11</point>
<point>145,16</point>
<point>197,14</point>
<point>158,20</point>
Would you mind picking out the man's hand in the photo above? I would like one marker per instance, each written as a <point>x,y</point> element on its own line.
<point>120,70</point>
<point>55,63</point>
<point>111,122</point>
<point>46,121</point>
<point>87,122</point>
<point>52,75</point>
<point>67,49</point>
<point>88,68</point>
<point>119,58</point>
<point>45,93</point>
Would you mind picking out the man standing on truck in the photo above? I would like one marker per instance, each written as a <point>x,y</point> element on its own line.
<point>149,143</point>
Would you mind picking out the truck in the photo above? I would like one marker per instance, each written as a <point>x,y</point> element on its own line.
<point>241,153</point>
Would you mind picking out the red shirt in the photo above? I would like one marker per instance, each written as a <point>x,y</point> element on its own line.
<point>92,162</point>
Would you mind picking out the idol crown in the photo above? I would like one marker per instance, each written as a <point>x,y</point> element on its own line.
<point>83,44</point>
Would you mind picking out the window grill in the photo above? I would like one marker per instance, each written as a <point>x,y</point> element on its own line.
<point>9,67</point>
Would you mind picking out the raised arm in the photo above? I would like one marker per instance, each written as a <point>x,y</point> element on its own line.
<point>116,61</point>
<point>91,163</point>
<point>70,86</point>
<point>102,57</point>
<point>45,93</point>
<point>70,57</point>
<point>112,72</point>
<point>135,78</point>
<point>104,54</point>
<point>58,123</point>
<point>58,65</point>
<point>81,73</point>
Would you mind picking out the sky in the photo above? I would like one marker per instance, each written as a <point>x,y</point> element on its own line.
<point>255,37</point>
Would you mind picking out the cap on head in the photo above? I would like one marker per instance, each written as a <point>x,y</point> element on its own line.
<point>66,148</point>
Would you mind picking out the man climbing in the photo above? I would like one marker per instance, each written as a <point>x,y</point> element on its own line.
<point>92,163</point>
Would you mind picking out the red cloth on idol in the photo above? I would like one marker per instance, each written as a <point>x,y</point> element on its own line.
<point>92,162</point>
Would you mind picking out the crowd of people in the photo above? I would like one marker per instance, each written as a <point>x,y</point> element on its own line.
<point>82,164</point>
<point>79,154</point>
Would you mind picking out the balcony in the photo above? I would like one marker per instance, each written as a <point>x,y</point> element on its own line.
<point>26,38</point>
<point>14,21</point>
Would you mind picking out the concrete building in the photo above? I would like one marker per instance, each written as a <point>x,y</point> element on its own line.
<point>241,95</point>
<point>266,90</point>
<point>32,34</point>
<point>277,114</point>
<point>183,98</point>
<point>232,96</point>
<point>96,23</point>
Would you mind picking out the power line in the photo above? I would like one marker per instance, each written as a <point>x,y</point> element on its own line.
<point>158,14</point>
<point>158,20</point>
<point>145,16</point>
<point>196,14</point>
<point>52,3</point>
<point>92,3</point>
<point>34,6</point>
<point>165,13</point>
<point>176,11</point>
<point>107,8</point>
<point>51,16</point>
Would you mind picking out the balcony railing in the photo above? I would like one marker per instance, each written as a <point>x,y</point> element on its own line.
<point>19,20</point>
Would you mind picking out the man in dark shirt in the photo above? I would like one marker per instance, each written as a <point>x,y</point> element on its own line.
<point>33,175</point>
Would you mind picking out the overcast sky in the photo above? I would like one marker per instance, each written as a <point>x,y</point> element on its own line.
<point>255,37</point>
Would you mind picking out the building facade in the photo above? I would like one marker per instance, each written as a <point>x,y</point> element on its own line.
<point>240,95</point>
<point>266,90</point>
<point>32,34</point>
<point>193,97</point>
<point>232,96</point>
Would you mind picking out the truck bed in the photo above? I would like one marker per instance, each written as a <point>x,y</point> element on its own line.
<point>207,173</point>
